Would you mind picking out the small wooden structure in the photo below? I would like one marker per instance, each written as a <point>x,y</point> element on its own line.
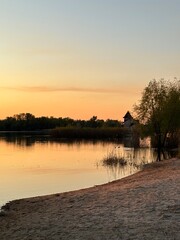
<point>128,120</point>
<point>131,138</point>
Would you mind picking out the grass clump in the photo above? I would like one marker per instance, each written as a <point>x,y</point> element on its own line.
<point>114,160</point>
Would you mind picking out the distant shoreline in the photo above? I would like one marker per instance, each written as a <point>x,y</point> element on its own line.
<point>142,206</point>
<point>76,133</point>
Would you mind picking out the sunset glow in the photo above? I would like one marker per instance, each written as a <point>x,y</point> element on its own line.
<point>83,58</point>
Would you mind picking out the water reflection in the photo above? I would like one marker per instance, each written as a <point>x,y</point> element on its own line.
<point>28,140</point>
<point>37,165</point>
<point>123,161</point>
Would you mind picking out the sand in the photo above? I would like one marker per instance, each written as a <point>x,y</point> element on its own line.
<point>143,206</point>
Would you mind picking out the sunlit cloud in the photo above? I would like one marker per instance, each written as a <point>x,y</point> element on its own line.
<point>34,89</point>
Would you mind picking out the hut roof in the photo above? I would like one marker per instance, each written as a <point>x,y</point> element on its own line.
<point>128,115</point>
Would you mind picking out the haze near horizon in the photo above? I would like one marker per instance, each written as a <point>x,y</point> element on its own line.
<point>83,58</point>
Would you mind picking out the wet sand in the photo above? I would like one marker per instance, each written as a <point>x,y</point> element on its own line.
<point>143,206</point>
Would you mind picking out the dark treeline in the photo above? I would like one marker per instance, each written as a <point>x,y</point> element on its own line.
<point>28,122</point>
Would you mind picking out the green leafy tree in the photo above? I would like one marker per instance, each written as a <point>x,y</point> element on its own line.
<point>159,111</point>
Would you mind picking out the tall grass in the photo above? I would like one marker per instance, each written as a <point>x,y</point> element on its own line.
<point>88,133</point>
<point>113,159</point>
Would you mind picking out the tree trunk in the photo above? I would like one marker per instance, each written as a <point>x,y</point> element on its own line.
<point>159,148</point>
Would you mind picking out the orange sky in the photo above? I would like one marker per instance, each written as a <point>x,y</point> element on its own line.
<point>83,58</point>
<point>77,103</point>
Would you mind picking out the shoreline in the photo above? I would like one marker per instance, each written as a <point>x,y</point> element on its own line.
<point>144,205</point>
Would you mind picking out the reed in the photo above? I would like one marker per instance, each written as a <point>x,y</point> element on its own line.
<point>88,133</point>
<point>113,159</point>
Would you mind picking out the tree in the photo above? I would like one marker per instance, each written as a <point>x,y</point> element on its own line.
<point>159,111</point>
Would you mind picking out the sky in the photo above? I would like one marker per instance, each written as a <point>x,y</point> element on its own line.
<point>81,58</point>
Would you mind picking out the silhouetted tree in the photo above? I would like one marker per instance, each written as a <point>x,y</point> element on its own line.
<point>159,110</point>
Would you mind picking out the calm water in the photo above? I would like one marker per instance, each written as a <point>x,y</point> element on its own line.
<point>33,166</point>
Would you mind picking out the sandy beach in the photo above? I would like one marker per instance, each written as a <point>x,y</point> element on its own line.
<point>143,206</point>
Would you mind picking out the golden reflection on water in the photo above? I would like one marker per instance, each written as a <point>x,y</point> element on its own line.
<point>38,167</point>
